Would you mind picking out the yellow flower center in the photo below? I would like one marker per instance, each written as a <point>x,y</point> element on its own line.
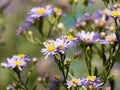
<point>87,37</point>
<point>60,47</point>
<point>17,63</point>
<point>20,55</point>
<point>56,9</point>
<point>41,11</point>
<point>90,87</point>
<point>69,37</point>
<point>101,22</point>
<point>115,13</point>
<point>111,38</point>
<point>74,82</point>
<point>51,47</point>
<point>91,78</point>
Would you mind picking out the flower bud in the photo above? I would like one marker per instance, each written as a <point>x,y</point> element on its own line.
<point>112,29</point>
<point>60,25</point>
<point>30,33</point>
<point>35,60</point>
<point>39,79</point>
<point>88,48</point>
<point>102,34</point>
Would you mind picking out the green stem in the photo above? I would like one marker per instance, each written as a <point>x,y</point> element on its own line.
<point>19,77</point>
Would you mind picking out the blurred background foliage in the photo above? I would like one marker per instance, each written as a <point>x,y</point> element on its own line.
<point>11,18</point>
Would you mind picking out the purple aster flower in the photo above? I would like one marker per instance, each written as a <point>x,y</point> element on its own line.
<point>80,24</point>
<point>62,44</point>
<point>50,48</point>
<point>20,30</point>
<point>99,19</point>
<point>58,12</point>
<point>38,12</point>
<point>88,37</point>
<point>86,17</point>
<point>107,87</point>
<point>109,39</point>
<point>17,61</point>
<point>77,53</point>
<point>114,11</point>
<point>92,82</point>
<point>22,57</point>
<point>10,87</point>
<point>115,7</point>
<point>74,82</point>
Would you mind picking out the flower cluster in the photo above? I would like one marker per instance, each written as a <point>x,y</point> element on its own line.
<point>37,14</point>
<point>16,61</point>
<point>90,82</point>
<point>60,45</point>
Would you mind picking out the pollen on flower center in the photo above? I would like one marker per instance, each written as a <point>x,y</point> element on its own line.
<point>111,39</point>
<point>91,78</point>
<point>20,55</point>
<point>74,81</point>
<point>87,37</point>
<point>40,11</point>
<point>115,13</point>
<point>69,37</point>
<point>51,47</point>
<point>56,9</point>
<point>17,62</point>
<point>60,47</point>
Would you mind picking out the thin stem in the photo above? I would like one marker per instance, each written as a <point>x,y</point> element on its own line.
<point>19,77</point>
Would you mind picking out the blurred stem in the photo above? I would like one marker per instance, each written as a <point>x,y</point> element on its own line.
<point>88,58</point>
<point>62,68</point>
<point>29,73</point>
<point>74,7</point>
<point>19,77</point>
<point>108,66</point>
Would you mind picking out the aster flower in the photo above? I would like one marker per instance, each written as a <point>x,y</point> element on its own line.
<point>80,24</point>
<point>92,82</point>
<point>99,19</point>
<point>50,48</point>
<point>109,39</point>
<point>86,17</point>
<point>38,12</point>
<point>20,30</point>
<point>114,11</point>
<point>77,53</point>
<point>21,57</point>
<point>58,12</point>
<point>88,37</point>
<point>16,61</point>
<point>10,87</point>
<point>74,83</point>
<point>115,7</point>
<point>69,37</point>
<point>62,44</point>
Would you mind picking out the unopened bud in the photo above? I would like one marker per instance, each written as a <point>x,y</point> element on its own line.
<point>88,48</point>
<point>112,29</point>
<point>30,32</point>
<point>68,61</point>
<point>60,25</point>
<point>35,60</point>
<point>39,79</point>
<point>102,34</point>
